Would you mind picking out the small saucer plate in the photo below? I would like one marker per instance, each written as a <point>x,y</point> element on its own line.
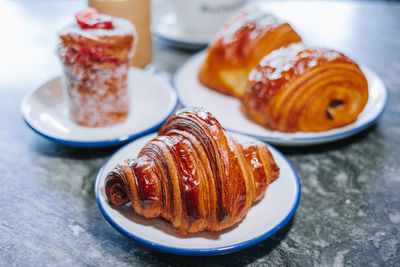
<point>264,218</point>
<point>153,100</point>
<point>192,93</point>
<point>171,31</point>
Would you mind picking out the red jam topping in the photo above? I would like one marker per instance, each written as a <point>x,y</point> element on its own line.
<point>90,18</point>
<point>89,53</point>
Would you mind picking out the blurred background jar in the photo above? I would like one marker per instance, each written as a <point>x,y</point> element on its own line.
<point>139,13</point>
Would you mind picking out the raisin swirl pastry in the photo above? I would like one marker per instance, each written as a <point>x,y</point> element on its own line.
<point>238,48</point>
<point>300,88</point>
<point>194,175</point>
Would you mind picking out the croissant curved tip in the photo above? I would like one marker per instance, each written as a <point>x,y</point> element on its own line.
<point>116,190</point>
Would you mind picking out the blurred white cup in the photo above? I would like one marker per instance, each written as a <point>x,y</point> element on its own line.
<point>204,16</point>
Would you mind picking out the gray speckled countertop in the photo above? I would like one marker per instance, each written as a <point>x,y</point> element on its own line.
<point>349,213</point>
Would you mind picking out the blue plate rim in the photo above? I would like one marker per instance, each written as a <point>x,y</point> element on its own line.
<point>201,252</point>
<point>294,141</point>
<point>93,144</point>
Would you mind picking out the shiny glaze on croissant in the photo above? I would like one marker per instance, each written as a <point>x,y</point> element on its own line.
<point>300,88</point>
<point>238,48</point>
<point>194,175</point>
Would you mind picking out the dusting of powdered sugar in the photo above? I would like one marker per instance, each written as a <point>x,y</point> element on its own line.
<point>95,97</point>
<point>121,27</point>
<point>255,19</point>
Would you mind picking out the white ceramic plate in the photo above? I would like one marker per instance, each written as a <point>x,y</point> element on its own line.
<point>171,31</point>
<point>152,101</point>
<point>263,219</point>
<point>227,109</point>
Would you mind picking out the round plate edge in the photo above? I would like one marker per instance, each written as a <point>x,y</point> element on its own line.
<point>201,252</point>
<point>295,141</point>
<point>103,143</point>
<point>180,43</point>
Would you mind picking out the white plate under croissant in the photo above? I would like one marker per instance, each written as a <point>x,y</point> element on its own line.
<point>228,109</point>
<point>263,219</point>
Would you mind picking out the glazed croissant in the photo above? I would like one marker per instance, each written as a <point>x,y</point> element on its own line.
<point>300,88</point>
<point>194,175</point>
<point>238,48</point>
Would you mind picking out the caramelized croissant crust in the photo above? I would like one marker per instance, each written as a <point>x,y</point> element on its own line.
<point>239,46</point>
<point>194,175</point>
<point>300,88</point>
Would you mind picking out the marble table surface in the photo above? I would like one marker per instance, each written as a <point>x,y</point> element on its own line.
<point>349,213</point>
